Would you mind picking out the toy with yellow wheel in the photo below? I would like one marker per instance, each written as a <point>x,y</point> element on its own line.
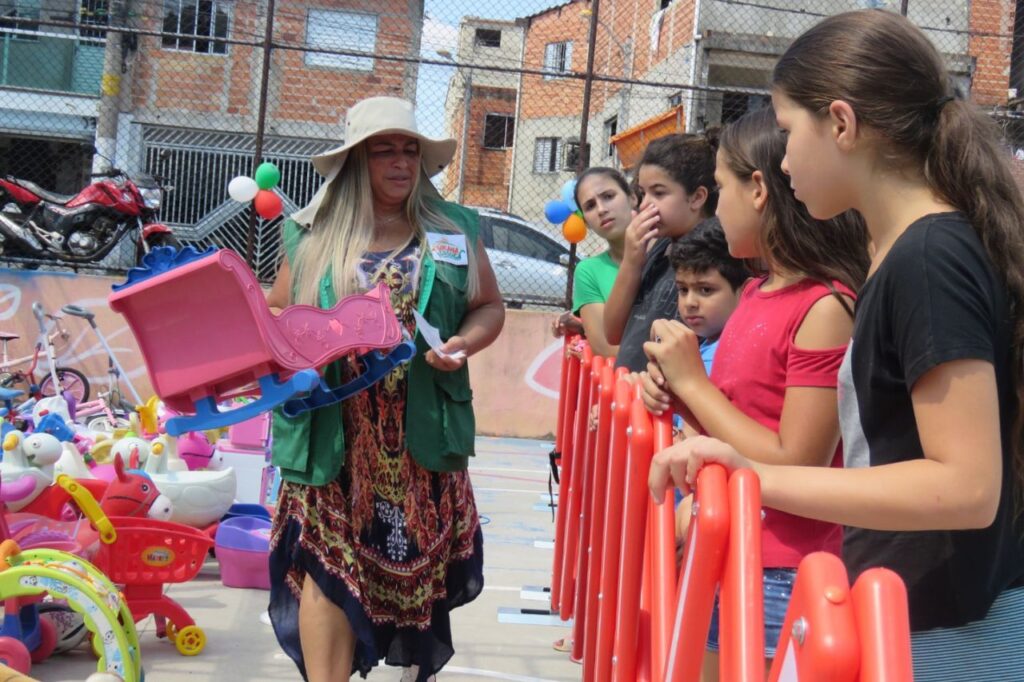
<point>87,591</point>
<point>189,641</point>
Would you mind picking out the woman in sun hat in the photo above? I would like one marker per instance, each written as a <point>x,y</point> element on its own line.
<point>376,536</point>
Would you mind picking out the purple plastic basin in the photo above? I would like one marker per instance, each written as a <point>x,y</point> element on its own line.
<point>246,533</point>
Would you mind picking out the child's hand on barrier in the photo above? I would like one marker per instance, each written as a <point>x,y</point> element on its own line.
<point>656,398</point>
<point>675,351</point>
<point>679,464</point>
<point>640,234</point>
<point>566,324</point>
<point>448,363</point>
<point>592,421</point>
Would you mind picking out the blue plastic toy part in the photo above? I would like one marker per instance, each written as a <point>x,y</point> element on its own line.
<point>54,425</point>
<point>159,260</point>
<point>8,394</point>
<point>376,365</point>
<point>272,393</point>
<point>245,509</point>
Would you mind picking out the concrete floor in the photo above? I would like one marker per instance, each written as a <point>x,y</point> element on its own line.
<point>509,477</point>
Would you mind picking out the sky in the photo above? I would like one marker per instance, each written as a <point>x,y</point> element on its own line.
<point>440,32</point>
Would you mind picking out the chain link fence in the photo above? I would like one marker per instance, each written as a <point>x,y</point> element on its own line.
<point>200,91</point>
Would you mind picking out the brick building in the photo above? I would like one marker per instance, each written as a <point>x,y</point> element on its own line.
<point>480,112</point>
<point>189,105</point>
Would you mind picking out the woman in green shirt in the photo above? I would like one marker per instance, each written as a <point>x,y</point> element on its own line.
<point>376,536</point>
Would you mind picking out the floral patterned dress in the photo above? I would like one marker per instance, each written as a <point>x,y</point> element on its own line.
<point>395,546</point>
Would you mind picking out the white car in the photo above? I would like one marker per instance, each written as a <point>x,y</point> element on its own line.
<point>530,266</point>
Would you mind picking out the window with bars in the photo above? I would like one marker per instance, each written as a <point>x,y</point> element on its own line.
<point>204,19</point>
<point>675,99</point>
<point>487,37</point>
<point>499,131</point>
<point>93,13</point>
<point>336,30</point>
<point>557,59</point>
<point>553,154</point>
<point>18,19</point>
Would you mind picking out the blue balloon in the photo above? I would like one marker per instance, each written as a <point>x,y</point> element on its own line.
<point>557,211</point>
<point>569,195</point>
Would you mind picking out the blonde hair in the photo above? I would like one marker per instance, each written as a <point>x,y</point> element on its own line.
<point>342,230</point>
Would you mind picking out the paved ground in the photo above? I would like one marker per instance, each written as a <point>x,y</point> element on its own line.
<point>509,477</point>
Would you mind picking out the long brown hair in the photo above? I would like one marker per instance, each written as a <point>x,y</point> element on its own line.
<point>790,239</point>
<point>895,80</point>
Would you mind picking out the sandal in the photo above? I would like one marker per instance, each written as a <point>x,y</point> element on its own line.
<point>564,645</point>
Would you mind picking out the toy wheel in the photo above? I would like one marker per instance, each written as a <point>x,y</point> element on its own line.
<point>14,655</point>
<point>71,380</point>
<point>47,640</point>
<point>190,640</point>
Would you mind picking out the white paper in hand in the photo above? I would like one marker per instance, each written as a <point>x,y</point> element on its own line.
<point>433,338</point>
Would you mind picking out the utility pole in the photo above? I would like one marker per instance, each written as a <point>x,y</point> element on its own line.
<point>268,37</point>
<point>110,91</point>
<point>583,157</point>
<point>467,102</point>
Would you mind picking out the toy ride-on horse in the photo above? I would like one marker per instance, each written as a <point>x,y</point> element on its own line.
<point>207,335</point>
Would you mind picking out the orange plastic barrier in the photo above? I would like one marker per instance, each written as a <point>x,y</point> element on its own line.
<point>598,501</point>
<point>662,525</point>
<point>573,501</point>
<point>612,541</point>
<point>634,523</point>
<point>883,627</point>
<point>572,392</point>
<point>707,541</point>
<point>586,495</point>
<point>741,602</point>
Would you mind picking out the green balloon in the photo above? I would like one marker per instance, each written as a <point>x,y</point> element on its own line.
<point>267,175</point>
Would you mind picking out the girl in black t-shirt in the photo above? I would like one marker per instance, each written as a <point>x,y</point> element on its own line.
<point>930,388</point>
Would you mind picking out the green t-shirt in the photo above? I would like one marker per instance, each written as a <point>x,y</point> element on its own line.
<point>593,280</point>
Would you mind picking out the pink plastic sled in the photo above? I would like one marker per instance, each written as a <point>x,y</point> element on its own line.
<point>207,335</point>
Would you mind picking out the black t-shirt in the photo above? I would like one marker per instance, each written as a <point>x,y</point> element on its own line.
<point>934,299</point>
<point>656,299</point>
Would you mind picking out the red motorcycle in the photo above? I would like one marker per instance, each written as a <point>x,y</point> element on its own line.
<point>36,224</point>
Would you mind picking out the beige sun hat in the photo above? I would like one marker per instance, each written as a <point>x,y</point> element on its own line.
<point>366,118</point>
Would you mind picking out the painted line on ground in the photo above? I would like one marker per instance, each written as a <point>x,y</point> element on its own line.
<point>459,670</point>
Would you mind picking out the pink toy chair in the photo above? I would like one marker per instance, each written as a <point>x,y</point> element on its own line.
<point>207,335</point>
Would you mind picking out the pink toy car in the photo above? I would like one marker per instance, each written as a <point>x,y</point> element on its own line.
<point>207,335</point>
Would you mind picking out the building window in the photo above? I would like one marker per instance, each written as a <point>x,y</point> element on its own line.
<point>545,154</point>
<point>93,13</point>
<point>205,18</point>
<point>735,104</point>
<point>675,99</point>
<point>349,31</point>
<point>611,128</point>
<point>499,131</point>
<point>570,156</point>
<point>487,37</point>
<point>557,59</point>
<point>18,18</point>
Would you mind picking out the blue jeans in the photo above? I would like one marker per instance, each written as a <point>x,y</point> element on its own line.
<point>778,586</point>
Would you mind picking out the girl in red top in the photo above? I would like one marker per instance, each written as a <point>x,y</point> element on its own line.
<point>772,390</point>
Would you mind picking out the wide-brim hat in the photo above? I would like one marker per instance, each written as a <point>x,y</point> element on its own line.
<point>365,119</point>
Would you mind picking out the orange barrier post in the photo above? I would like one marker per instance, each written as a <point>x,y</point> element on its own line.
<point>634,534</point>
<point>741,601</point>
<point>883,627</point>
<point>598,500</point>
<point>819,636</point>
<point>587,492</point>
<point>572,391</point>
<point>707,540</point>
<point>663,560</point>
<point>563,380</point>
<point>612,541</point>
<point>644,667</point>
<point>575,478</point>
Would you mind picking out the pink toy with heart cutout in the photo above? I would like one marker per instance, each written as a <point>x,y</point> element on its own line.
<point>207,335</point>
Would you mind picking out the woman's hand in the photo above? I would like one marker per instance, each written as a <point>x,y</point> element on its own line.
<point>675,351</point>
<point>679,464</point>
<point>640,235</point>
<point>449,363</point>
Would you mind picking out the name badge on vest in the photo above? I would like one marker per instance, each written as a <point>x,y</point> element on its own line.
<point>448,248</point>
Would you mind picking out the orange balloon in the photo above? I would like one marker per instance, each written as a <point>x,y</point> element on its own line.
<point>574,229</point>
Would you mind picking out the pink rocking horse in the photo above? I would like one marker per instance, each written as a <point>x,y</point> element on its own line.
<point>207,335</point>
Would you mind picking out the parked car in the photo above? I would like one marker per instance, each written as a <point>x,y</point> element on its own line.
<point>530,266</point>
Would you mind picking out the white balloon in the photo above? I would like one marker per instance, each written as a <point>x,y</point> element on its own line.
<point>243,188</point>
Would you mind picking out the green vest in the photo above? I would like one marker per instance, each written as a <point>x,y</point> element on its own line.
<point>439,422</point>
